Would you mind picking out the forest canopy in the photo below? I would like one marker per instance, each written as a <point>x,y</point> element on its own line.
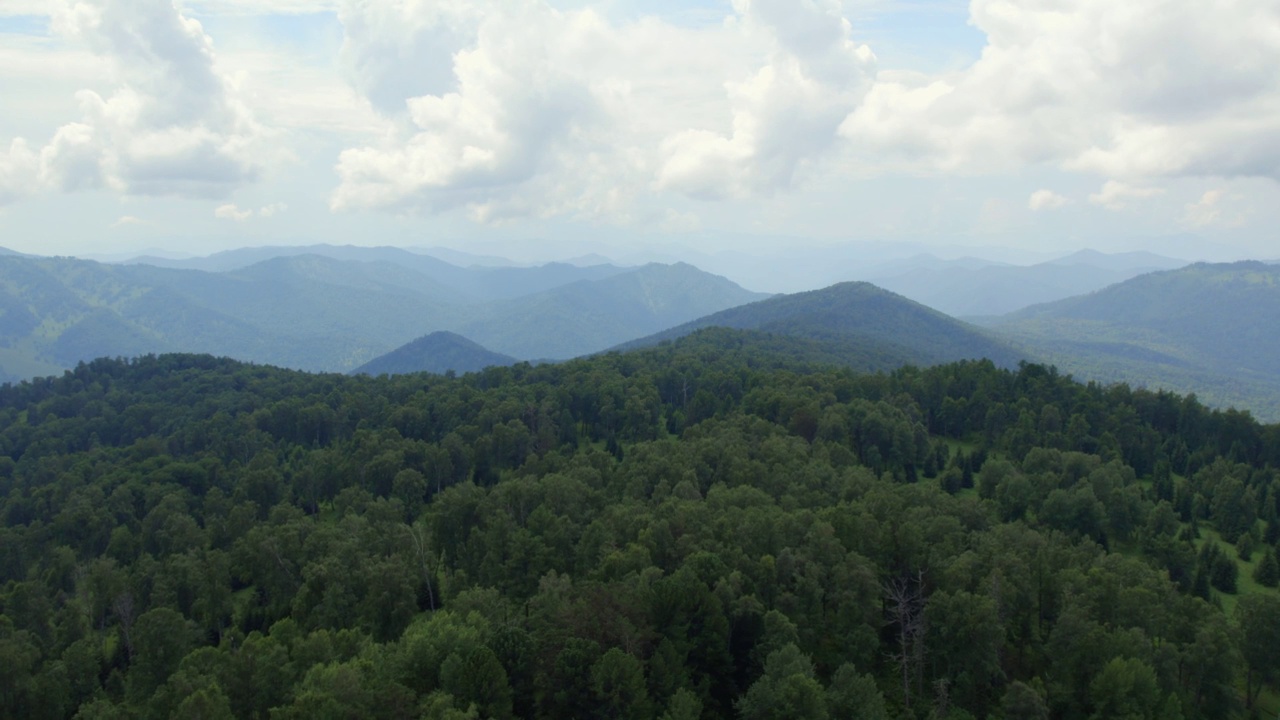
<point>711,528</point>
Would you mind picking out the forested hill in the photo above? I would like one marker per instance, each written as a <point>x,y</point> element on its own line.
<point>700,530</point>
<point>865,320</point>
<point>1206,328</point>
<point>439,352</point>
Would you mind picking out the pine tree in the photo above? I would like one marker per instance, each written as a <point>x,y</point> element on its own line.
<point>1267,574</point>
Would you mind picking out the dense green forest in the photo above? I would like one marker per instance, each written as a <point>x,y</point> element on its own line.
<point>705,529</point>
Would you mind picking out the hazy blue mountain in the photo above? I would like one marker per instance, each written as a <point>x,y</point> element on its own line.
<point>55,312</point>
<point>309,313</point>
<point>962,288</point>
<point>438,352</point>
<point>475,284</point>
<point>1132,262</point>
<point>1205,328</point>
<point>885,327</point>
<point>320,313</point>
<point>588,316</point>
<point>462,258</point>
<point>927,262</point>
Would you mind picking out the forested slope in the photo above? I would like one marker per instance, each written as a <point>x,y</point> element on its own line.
<point>1205,328</point>
<point>698,530</point>
<point>879,326</point>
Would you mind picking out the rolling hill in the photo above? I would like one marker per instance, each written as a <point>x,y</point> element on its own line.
<point>439,352</point>
<point>886,329</point>
<point>1205,328</point>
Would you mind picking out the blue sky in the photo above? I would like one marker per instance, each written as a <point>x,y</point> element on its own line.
<point>542,128</point>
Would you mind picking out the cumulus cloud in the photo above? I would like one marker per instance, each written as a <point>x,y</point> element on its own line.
<point>230,211</point>
<point>787,113</point>
<point>126,220</point>
<point>517,108</point>
<point>1046,200</point>
<point>1210,210</point>
<point>173,124</point>
<point>1118,89</point>
<point>1115,195</point>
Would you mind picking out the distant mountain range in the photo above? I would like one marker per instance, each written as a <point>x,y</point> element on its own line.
<point>472,284</point>
<point>973,288</point>
<point>320,313</point>
<point>1205,328</point>
<point>439,352</point>
<point>589,316</point>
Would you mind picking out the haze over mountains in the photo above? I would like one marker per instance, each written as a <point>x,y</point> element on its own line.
<point>1202,328</point>
<point>1206,328</point>
<point>970,287</point>
<point>320,313</point>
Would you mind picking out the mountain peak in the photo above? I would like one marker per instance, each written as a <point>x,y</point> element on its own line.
<point>437,352</point>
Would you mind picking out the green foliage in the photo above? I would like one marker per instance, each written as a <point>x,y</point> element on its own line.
<point>1259,620</point>
<point>1267,573</point>
<point>703,529</point>
<point>871,328</point>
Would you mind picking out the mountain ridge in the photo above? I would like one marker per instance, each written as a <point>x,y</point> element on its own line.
<point>855,311</point>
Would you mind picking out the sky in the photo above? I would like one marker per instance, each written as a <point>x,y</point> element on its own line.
<point>550,128</point>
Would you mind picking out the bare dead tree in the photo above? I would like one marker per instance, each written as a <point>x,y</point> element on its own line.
<point>422,558</point>
<point>906,611</point>
<point>124,608</point>
<point>942,698</point>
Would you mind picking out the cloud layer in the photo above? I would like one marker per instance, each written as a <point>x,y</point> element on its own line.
<point>1134,89</point>
<point>505,110</point>
<point>530,110</point>
<point>172,125</point>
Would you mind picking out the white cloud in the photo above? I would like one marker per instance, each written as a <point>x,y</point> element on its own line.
<point>230,211</point>
<point>16,8</point>
<point>1115,195</point>
<point>520,109</point>
<point>261,7</point>
<point>1046,200</point>
<point>1205,211</point>
<point>172,126</point>
<point>1211,209</point>
<point>126,220</point>
<point>1134,89</point>
<point>783,116</point>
